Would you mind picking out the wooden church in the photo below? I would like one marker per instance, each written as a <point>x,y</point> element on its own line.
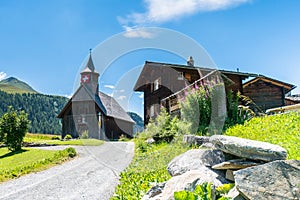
<point>94,113</point>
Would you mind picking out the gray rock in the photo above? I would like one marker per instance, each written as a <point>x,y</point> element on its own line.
<point>229,175</point>
<point>274,180</point>
<point>235,164</point>
<point>150,141</point>
<point>208,145</point>
<point>251,149</point>
<point>193,160</point>
<point>195,140</point>
<point>234,194</point>
<point>184,181</point>
<point>154,191</point>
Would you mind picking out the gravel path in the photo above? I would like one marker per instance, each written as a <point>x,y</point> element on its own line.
<point>93,175</point>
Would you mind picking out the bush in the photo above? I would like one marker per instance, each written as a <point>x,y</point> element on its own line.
<point>55,138</point>
<point>205,191</point>
<point>68,137</point>
<point>71,152</point>
<point>13,127</point>
<point>123,138</point>
<point>164,128</point>
<point>85,135</point>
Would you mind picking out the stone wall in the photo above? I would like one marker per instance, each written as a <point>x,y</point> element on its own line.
<point>258,169</point>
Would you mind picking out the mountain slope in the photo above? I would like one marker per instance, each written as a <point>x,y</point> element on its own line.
<point>13,85</point>
<point>139,122</point>
<point>42,109</point>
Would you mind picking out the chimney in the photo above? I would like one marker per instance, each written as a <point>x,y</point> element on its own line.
<point>190,61</point>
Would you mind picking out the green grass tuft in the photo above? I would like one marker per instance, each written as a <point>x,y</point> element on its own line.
<point>281,129</point>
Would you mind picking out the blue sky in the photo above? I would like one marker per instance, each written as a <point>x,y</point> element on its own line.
<point>45,43</point>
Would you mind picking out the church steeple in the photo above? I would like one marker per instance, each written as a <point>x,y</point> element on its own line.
<point>89,76</point>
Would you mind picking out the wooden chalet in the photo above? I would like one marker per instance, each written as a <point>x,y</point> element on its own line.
<point>160,81</point>
<point>266,92</point>
<point>292,99</point>
<point>94,112</point>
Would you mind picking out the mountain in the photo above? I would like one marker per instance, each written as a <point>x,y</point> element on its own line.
<point>139,122</point>
<point>13,85</point>
<point>41,109</point>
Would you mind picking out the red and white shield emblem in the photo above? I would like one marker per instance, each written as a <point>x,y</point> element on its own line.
<point>85,78</point>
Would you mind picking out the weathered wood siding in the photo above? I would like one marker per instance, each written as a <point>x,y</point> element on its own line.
<point>265,95</point>
<point>115,128</point>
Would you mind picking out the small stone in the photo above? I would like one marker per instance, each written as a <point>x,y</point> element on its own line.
<point>235,164</point>
<point>154,191</point>
<point>195,140</point>
<point>229,175</point>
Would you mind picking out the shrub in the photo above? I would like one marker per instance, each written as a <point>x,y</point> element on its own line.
<point>55,138</point>
<point>71,152</point>
<point>85,135</point>
<point>13,127</point>
<point>123,138</point>
<point>68,137</point>
<point>164,128</point>
<point>204,191</point>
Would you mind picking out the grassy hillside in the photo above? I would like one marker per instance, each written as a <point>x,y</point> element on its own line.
<point>13,85</point>
<point>281,129</point>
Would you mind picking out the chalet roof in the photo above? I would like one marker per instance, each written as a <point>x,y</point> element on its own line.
<point>107,104</point>
<point>202,68</point>
<point>295,98</point>
<point>178,66</point>
<point>286,86</point>
<point>89,66</point>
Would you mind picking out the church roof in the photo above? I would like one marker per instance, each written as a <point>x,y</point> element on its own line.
<point>113,108</point>
<point>89,66</point>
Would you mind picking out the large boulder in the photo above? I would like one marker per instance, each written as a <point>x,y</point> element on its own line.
<point>193,160</point>
<point>274,180</point>
<point>188,180</point>
<point>235,164</point>
<point>250,149</point>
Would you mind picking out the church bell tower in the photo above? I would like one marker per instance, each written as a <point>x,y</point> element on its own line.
<point>89,76</point>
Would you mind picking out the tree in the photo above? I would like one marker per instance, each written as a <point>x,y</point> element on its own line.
<point>13,127</point>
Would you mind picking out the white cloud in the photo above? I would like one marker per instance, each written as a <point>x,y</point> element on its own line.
<point>68,96</point>
<point>2,75</point>
<point>109,86</point>
<point>158,11</point>
<point>121,91</point>
<point>132,32</point>
<point>121,98</point>
<point>141,95</point>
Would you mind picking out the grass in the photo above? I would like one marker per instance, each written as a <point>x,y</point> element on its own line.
<point>147,168</point>
<point>50,139</point>
<point>27,160</point>
<point>12,89</point>
<point>280,129</point>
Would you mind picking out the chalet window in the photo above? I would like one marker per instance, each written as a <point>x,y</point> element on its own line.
<point>157,84</point>
<point>152,111</point>
<point>188,77</point>
<point>180,76</point>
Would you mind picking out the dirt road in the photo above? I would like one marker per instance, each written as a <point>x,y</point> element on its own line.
<point>93,175</point>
